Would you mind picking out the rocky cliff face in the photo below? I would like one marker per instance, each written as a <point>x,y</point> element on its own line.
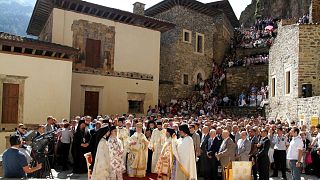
<point>276,9</point>
<point>15,16</point>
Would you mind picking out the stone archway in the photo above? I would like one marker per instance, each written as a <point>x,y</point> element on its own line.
<point>199,74</point>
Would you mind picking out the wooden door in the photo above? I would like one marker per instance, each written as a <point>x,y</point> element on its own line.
<point>93,56</point>
<point>10,103</point>
<point>91,106</point>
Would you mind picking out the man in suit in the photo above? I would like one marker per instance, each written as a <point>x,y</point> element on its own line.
<point>227,151</point>
<point>244,147</point>
<point>212,147</point>
<point>203,159</point>
<point>262,156</point>
<point>252,155</point>
<point>196,140</point>
<point>197,128</point>
<point>235,135</point>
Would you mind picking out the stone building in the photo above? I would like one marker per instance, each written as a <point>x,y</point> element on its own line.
<point>294,67</point>
<point>117,70</point>
<point>35,81</point>
<point>202,34</point>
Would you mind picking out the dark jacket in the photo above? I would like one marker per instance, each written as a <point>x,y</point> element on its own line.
<point>215,146</point>
<point>263,150</point>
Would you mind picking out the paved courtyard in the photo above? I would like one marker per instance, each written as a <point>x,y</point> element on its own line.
<point>69,175</point>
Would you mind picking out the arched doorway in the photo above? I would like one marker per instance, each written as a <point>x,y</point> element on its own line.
<point>199,77</point>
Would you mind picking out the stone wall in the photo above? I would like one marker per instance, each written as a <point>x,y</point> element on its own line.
<point>309,57</point>
<point>284,56</point>
<point>308,107</point>
<point>178,58</point>
<point>240,78</point>
<point>222,37</point>
<point>315,11</point>
<point>243,52</point>
<point>300,55</point>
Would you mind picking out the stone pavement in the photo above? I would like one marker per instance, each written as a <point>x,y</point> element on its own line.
<point>69,175</point>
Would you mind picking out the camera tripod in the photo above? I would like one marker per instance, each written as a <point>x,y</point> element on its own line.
<point>45,171</point>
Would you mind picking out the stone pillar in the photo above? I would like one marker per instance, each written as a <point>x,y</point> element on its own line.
<point>315,11</point>
<point>138,8</point>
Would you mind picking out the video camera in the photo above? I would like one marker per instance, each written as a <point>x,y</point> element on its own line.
<point>40,143</point>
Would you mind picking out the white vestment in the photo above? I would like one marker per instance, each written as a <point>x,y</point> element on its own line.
<point>156,143</point>
<point>123,135</point>
<point>116,161</point>
<point>101,169</point>
<point>185,163</point>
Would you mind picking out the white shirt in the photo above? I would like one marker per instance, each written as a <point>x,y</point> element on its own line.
<point>293,150</point>
<point>280,143</point>
<point>66,136</point>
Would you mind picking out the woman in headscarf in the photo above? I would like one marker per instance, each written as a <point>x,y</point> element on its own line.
<point>101,168</point>
<point>80,147</point>
<point>115,151</point>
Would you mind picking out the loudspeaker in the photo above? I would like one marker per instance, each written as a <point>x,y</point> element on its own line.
<point>306,90</point>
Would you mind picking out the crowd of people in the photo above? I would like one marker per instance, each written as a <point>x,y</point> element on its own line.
<point>232,61</point>
<point>304,19</point>
<point>263,23</point>
<point>204,100</point>
<point>261,34</point>
<point>252,38</point>
<point>180,147</point>
<point>255,96</point>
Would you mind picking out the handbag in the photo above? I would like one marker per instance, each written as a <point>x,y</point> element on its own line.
<point>308,158</point>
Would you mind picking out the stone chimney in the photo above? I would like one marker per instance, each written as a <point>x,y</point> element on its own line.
<point>315,11</point>
<point>138,8</point>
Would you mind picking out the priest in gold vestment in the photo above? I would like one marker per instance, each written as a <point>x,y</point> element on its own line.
<point>164,164</point>
<point>156,143</point>
<point>184,162</point>
<point>138,153</point>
